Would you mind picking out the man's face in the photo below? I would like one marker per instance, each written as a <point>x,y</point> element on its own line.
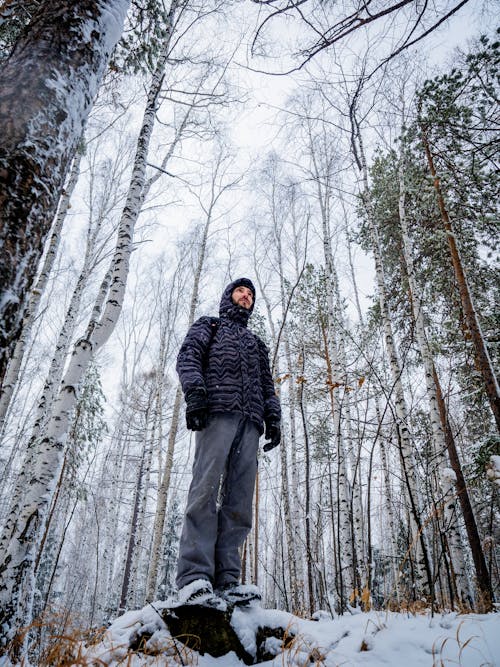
<point>242,296</point>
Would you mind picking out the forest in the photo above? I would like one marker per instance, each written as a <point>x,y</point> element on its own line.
<point>343,156</point>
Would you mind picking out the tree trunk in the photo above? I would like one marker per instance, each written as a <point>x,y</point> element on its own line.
<point>14,367</point>
<point>437,426</point>
<point>35,486</point>
<point>65,337</point>
<point>132,535</point>
<point>482,572</point>
<point>161,502</point>
<point>417,537</point>
<point>307,482</point>
<point>336,375</point>
<point>483,360</point>
<point>50,79</point>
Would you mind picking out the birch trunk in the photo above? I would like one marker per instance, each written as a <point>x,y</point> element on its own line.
<point>14,367</point>
<point>36,484</point>
<point>336,379</point>
<point>114,502</point>
<point>482,572</point>
<point>391,519</point>
<point>132,534</point>
<point>134,598</point>
<point>50,78</point>
<point>383,459</point>
<point>422,562</point>
<point>307,484</point>
<point>288,518</point>
<point>162,498</point>
<point>452,531</point>
<point>55,373</point>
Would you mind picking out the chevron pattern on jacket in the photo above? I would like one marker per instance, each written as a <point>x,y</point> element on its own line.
<point>232,365</point>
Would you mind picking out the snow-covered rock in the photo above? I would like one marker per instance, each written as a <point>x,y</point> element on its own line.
<point>371,639</point>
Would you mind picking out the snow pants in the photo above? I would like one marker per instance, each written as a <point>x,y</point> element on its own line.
<point>219,506</point>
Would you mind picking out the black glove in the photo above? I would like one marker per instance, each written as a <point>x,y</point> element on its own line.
<point>273,434</point>
<point>196,409</point>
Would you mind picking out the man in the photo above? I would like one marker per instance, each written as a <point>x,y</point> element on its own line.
<point>224,372</point>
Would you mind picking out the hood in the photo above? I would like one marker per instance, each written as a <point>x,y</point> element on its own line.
<point>231,310</point>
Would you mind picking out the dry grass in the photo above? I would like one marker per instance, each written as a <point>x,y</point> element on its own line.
<point>299,652</point>
<point>439,646</point>
<point>58,641</point>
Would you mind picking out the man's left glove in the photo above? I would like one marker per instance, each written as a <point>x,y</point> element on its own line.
<point>196,409</point>
<point>273,434</point>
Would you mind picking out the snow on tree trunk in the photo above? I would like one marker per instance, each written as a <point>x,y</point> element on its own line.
<point>115,492</point>
<point>307,488</point>
<point>392,525</point>
<point>352,458</point>
<point>448,481</point>
<point>50,79</point>
<point>336,382</point>
<point>36,484</point>
<point>132,533</point>
<point>63,343</point>
<point>14,367</point>
<point>161,503</point>
<point>483,577</point>
<point>336,374</point>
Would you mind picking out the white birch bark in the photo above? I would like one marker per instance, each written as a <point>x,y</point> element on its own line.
<point>114,502</point>
<point>62,56</point>
<point>391,523</point>
<point>36,484</point>
<point>410,486</point>
<point>337,380</point>
<point>132,534</point>
<point>162,498</point>
<point>62,346</point>
<point>387,495</point>
<point>14,367</point>
<point>449,501</point>
<point>291,526</point>
<point>134,587</point>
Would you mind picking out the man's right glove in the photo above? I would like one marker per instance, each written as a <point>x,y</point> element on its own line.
<point>196,409</point>
<point>273,434</point>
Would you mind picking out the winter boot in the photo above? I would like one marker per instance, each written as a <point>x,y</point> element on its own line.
<point>239,595</point>
<point>199,592</point>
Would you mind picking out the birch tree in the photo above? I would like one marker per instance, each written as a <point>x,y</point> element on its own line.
<point>28,513</point>
<point>417,537</point>
<point>62,55</point>
<point>14,366</point>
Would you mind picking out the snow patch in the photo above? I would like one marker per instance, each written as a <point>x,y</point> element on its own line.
<point>493,469</point>
<point>368,639</point>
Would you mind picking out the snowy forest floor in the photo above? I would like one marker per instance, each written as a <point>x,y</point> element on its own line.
<point>372,638</point>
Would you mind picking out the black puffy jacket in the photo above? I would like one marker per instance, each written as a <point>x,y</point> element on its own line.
<point>232,364</point>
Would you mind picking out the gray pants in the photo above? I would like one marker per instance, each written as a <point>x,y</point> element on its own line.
<point>213,532</point>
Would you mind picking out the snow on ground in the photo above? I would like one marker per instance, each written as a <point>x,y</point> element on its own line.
<point>375,639</point>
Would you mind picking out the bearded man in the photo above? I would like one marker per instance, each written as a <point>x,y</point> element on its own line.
<point>225,375</point>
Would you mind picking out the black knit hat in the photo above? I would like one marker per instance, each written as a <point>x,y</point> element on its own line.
<point>228,307</point>
<point>245,282</point>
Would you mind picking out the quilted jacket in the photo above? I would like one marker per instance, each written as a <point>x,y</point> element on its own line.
<point>232,364</point>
